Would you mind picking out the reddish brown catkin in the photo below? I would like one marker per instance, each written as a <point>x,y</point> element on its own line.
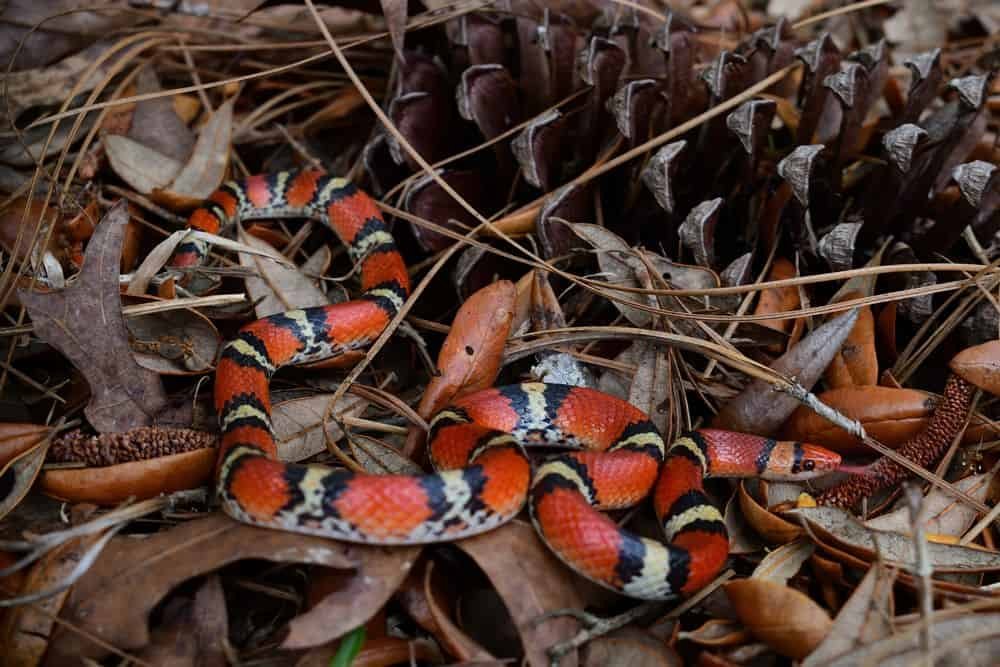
<point>923,449</point>
<point>139,444</point>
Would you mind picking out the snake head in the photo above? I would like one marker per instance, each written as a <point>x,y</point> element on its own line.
<point>796,461</point>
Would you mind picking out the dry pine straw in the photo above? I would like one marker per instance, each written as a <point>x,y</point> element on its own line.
<point>923,449</point>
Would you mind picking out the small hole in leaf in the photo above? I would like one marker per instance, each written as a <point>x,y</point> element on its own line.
<point>468,350</point>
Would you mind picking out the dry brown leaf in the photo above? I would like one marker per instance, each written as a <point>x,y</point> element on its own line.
<point>174,342</point>
<point>279,288</point>
<point>299,424</point>
<point>110,485</point>
<point>891,415</point>
<point>123,395</point>
<point>206,168</point>
<point>771,527</point>
<point>453,638</point>
<point>528,592</point>
<point>26,629</point>
<point>856,363</point>
<point>944,514</point>
<point>378,573</point>
<point>759,408</point>
<point>980,365</point>
<point>114,598</point>
<point>782,617</point>
<point>628,647</point>
<point>779,299</point>
<point>142,167</point>
<point>842,530</point>
<point>784,562</point>
<point>972,640</point>
<point>650,388</point>
<point>471,354</point>
<point>19,473</point>
<point>15,439</point>
<point>862,619</point>
<point>620,265</point>
<point>155,122</point>
<point>395,18</point>
<point>717,632</point>
<point>192,631</point>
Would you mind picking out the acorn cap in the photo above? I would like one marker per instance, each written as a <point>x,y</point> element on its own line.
<point>979,365</point>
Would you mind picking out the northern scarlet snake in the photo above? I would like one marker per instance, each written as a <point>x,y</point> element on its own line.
<point>476,444</point>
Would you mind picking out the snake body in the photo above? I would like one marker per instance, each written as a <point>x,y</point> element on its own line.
<point>483,477</point>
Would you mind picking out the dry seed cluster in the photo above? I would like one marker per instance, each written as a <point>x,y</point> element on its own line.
<point>139,444</point>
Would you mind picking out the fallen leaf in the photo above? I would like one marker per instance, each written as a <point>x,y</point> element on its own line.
<point>779,299</point>
<point>944,514</point>
<point>304,426</point>
<point>192,631</point>
<point>278,288</point>
<point>650,387</point>
<point>856,363</point>
<point>627,647</point>
<point>15,439</point>
<point>174,342</point>
<point>123,395</point>
<point>110,485</point>
<point>452,638</point>
<point>156,123</point>
<point>114,598</point>
<point>528,592</point>
<point>759,408</point>
<point>979,365</point>
<point>26,630</point>
<point>395,18</point>
<point>378,573</point>
<point>970,641</point>
<point>862,619</point>
<point>770,526</point>
<point>620,265</point>
<point>19,472</point>
<point>717,632</point>
<point>142,167</point>
<point>842,530</point>
<point>782,617</point>
<point>206,168</point>
<point>784,562</point>
<point>471,354</point>
<point>891,415</point>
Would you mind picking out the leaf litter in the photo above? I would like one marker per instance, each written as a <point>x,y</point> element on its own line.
<point>812,267</point>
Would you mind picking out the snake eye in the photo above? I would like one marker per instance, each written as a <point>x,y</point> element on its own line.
<point>808,465</point>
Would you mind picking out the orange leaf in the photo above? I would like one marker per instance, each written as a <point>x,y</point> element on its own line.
<point>110,485</point>
<point>980,365</point>
<point>782,617</point>
<point>471,354</point>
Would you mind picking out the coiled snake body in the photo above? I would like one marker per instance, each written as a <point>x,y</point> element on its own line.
<point>483,477</point>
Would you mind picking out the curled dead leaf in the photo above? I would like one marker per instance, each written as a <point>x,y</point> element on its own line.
<point>842,530</point>
<point>782,617</point>
<point>771,527</point>
<point>114,598</point>
<point>110,485</point>
<point>19,472</point>
<point>759,408</point>
<point>16,438</point>
<point>856,363</point>
<point>527,592</point>
<point>891,415</point>
<point>980,365</point>
<point>779,300</point>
